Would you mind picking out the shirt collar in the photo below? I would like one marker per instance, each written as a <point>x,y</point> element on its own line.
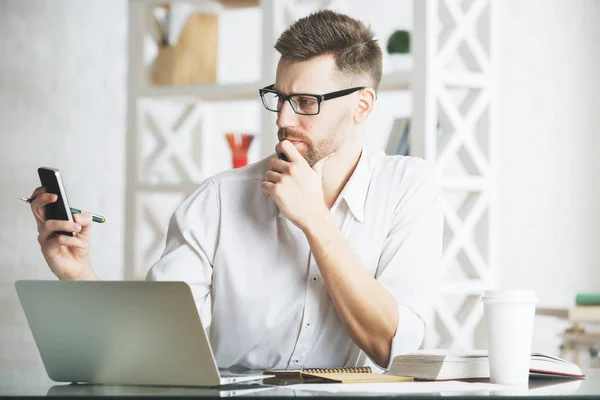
<point>355,191</point>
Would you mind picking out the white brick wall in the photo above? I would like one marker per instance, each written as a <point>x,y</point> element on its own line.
<point>62,104</point>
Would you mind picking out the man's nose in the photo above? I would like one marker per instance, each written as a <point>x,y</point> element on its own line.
<point>286,117</point>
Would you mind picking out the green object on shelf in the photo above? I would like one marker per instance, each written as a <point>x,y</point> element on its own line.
<point>399,42</point>
<point>587,299</point>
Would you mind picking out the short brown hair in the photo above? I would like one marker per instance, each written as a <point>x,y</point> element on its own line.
<point>325,32</point>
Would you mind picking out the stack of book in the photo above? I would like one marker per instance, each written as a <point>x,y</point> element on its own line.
<point>587,308</point>
<point>441,365</point>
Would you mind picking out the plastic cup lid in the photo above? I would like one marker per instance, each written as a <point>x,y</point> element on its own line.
<point>509,296</point>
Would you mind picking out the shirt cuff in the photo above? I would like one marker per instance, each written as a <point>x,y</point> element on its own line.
<point>409,334</point>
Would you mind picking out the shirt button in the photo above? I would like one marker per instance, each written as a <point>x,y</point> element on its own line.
<point>315,278</point>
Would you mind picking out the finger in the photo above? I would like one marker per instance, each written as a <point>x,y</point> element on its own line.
<point>37,205</point>
<point>277,165</point>
<point>71,241</point>
<point>267,188</point>
<point>265,191</point>
<point>85,220</point>
<point>286,147</point>
<point>272,176</point>
<point>39,190</point>
<point>54,240</point>
<point>51,226</point>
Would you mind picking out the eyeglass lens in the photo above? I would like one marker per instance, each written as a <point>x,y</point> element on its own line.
<point>301,104</point>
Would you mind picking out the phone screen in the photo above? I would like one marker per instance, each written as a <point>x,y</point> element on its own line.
<point>51,180</point>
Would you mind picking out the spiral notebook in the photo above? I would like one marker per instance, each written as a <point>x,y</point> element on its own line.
<point>330,375</point>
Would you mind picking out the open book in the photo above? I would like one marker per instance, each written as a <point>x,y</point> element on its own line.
<point>472,365</point>
<point>330,375</point>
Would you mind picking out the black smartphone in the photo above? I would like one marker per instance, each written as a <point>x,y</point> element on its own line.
<point>60,209</point>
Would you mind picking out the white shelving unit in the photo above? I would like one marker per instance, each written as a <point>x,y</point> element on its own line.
<point>452,97</point>
<point>208,92</point>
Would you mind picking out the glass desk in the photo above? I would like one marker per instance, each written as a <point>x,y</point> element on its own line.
<point>37,383</point>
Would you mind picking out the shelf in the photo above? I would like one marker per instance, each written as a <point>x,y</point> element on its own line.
<point>398,80</point>
<point>207,92</point>
<point>239,3</point>
<point>228,4</point>
<point>248,91</point>
<point>558,312</point>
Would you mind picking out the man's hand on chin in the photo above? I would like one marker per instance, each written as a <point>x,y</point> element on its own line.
<point>295,187</point>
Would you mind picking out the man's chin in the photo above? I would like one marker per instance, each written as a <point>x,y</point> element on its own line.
<point>300,146</point>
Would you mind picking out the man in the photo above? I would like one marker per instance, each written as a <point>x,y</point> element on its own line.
<point>325,259</point>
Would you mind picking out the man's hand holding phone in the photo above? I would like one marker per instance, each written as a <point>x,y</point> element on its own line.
<point>67,256</point>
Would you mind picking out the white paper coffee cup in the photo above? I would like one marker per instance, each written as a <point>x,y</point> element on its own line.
<point>509,317</point>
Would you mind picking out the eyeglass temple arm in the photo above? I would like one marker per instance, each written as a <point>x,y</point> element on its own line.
<point>341,93</point>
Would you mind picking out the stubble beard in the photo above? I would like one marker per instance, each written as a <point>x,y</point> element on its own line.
<point>311,151</point>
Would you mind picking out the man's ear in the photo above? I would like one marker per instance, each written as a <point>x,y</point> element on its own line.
<point>365,104</point>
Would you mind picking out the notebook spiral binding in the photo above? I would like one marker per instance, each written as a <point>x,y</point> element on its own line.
<point>346,370</point>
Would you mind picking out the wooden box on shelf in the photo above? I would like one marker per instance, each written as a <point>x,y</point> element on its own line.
<point>193,59</point>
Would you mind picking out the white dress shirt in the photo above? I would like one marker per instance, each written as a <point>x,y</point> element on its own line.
<point>256,282</point>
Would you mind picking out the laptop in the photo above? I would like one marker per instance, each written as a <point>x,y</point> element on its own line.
<point>128,333</point>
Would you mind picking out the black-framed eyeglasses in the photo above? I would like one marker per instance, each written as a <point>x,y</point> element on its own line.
<point>302,103</point>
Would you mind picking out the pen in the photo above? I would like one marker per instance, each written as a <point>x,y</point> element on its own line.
<point>95,217</point>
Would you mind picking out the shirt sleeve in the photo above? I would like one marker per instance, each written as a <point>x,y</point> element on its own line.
<point>191,244</point>
<point>409,264</point>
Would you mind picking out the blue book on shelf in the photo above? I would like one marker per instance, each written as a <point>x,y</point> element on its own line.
<point>399,139</point>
